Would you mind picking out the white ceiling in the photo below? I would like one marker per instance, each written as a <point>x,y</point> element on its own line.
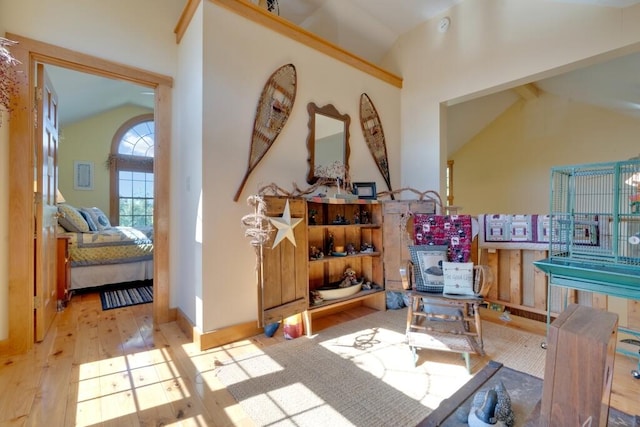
<point>369,28</point>
<point>83,95</point>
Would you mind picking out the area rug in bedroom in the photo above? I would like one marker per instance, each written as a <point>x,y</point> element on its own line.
<point>361,373</point>
<point>126,294</point>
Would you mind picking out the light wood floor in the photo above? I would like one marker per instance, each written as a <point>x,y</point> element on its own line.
<point>114,368</point>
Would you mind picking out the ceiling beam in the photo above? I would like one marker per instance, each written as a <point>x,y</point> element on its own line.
<point>528,91</point>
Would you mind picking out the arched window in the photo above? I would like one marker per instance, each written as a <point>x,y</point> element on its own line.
<point>131,164</point>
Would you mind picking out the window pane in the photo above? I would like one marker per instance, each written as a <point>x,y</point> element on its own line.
<point>138,176</point>
<point>150,207</point>
<point>125,188</point>
<point>149,192</point>
<point>135,188</point>
<point>138,189</point>
<point>139,140</point>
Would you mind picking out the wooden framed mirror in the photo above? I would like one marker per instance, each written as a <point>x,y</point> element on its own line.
<point>328,143</point>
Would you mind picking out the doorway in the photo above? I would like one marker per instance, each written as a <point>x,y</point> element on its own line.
<point>21,232</point>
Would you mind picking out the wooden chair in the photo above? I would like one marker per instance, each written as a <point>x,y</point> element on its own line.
<point>445,322</point>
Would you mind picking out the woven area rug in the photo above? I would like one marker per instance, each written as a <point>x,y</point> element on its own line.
<point>361,373</point>
<point>126,294</point>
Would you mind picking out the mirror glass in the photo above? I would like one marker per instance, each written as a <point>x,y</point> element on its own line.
<point>328,144</point>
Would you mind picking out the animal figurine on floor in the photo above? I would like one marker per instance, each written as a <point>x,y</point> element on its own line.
<point>491,408</point>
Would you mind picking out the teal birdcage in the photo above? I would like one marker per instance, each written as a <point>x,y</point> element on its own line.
<point>594,228</point>
<point>594,233</point>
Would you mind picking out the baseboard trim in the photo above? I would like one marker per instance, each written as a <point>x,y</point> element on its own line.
<point>218,337</point>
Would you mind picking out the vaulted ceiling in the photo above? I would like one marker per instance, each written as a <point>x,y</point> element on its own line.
<point>369,28</point>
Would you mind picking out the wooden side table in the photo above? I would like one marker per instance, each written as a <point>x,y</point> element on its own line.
<point>63,265</point>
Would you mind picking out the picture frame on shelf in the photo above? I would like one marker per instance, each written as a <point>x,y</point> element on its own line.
<point>365,190</point>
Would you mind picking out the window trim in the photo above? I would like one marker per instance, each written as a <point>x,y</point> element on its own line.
<point>117,161</point>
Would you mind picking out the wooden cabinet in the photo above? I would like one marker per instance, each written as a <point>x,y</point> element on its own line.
<point>398,235</point>
<point>63,271</point>
<point>288,274</point>
<point>579,368</point>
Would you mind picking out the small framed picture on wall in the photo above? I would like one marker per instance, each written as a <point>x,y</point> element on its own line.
<point>365,190</point>
<point>82,175</point>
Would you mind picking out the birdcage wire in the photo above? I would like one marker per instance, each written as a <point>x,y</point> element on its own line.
<point>595,213</point>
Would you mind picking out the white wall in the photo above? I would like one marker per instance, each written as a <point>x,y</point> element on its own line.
<point>491,45</point>
<point>186,172</point>
<point>137,33</point>
<point>239,58</point>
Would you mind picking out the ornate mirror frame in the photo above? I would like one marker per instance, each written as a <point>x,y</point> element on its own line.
<point>340,166</point>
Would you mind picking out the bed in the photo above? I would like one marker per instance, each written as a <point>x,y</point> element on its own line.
<point>102,254</point>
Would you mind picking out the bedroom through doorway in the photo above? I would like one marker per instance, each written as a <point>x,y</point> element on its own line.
<point>21,269</point>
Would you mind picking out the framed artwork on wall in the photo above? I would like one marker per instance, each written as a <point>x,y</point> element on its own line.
<point>82,175</point>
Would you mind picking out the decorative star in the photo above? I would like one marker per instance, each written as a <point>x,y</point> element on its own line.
<point>285,226</point>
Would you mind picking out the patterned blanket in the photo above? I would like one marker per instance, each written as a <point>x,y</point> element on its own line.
<point>115,245</point>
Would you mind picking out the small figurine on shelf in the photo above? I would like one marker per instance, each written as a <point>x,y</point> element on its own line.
<point>351,249</point>
<point>348,278</point>
<point>356,218</point>
<point>312,216</point>
<point>330,249</point>
<point>315,297</point>
<point>364,217</point>
<point>315,253</point>
<point>340,220</point>
<point>367,248</point>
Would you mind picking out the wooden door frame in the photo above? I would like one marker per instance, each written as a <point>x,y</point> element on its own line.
<point>21,209</point>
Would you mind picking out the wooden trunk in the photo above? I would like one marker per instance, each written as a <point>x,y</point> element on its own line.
<point>579,368</point>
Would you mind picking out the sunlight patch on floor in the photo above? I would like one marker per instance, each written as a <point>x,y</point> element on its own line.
<point>256,366</point>
<point>386,355</point>
<point>280,405</point>
<point>113,389</point>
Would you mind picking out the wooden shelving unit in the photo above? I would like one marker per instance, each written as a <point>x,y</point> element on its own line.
<point>356,222</point>
<point>288,275</point>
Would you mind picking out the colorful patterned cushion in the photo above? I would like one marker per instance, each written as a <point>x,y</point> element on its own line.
<point>452,230</point>
<point>98,217</point>
<point>71,219</point>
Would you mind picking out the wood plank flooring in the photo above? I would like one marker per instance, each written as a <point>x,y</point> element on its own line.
<point>113,368</point>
